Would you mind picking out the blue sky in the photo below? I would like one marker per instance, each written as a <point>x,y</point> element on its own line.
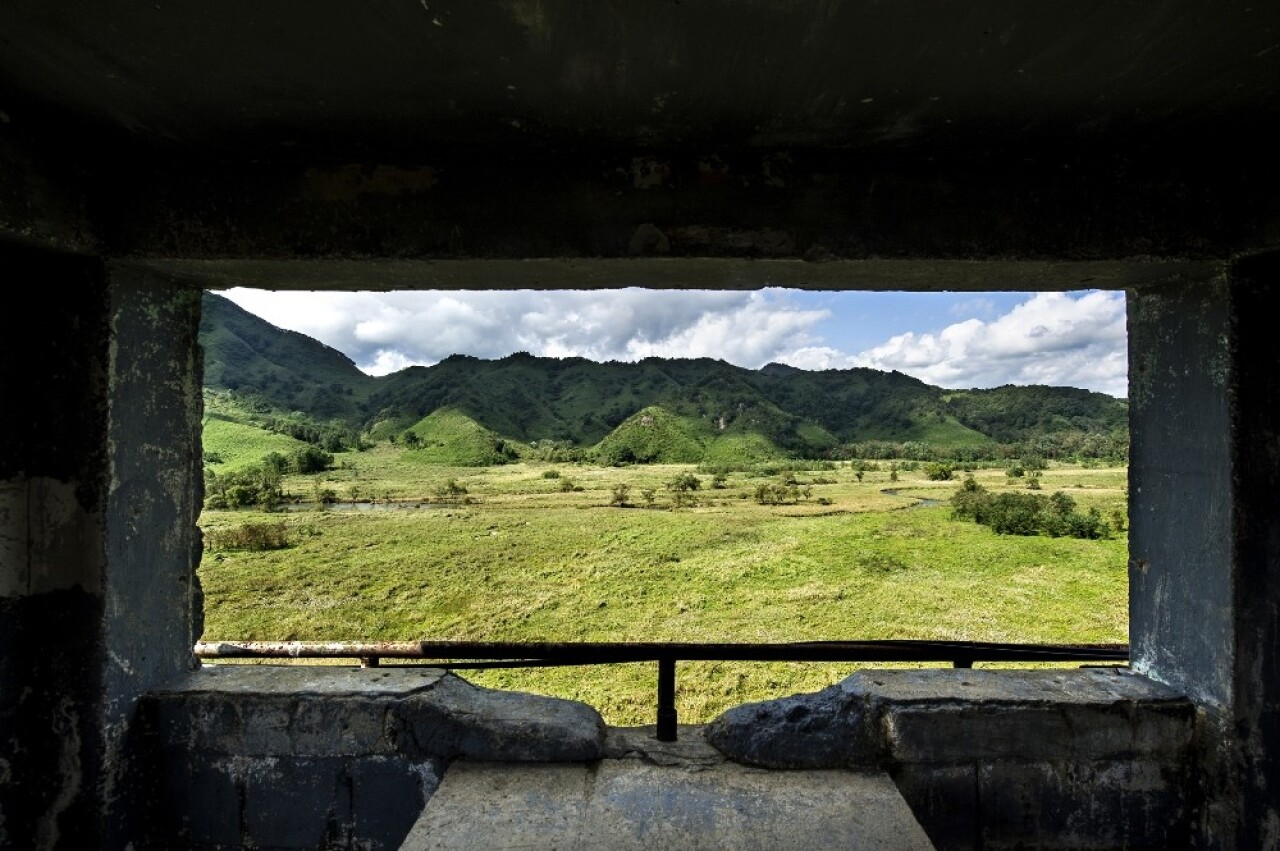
<point>955,340</point>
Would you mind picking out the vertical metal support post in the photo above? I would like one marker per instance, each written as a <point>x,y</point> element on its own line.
<point>962,663</point>
<point>666,700</point>
<point>370,661</point>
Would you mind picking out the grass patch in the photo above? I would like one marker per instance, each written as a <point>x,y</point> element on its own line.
<point>530,562</point>
<point>230,446</point>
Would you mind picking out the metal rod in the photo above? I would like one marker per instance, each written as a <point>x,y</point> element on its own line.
<point>609,652</point>
<point>667,719</point>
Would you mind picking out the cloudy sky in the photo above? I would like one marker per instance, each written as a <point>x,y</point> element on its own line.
<point>955,340</point>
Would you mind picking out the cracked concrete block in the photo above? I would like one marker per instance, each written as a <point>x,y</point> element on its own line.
<point>831,728</point>
<point>636,805</point>
<point>458,719</point>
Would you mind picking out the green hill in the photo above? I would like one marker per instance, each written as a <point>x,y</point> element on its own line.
<point>286,370</point>
<point>653,409</point>
<point>654,435</point>
<point>230,445</point>
<point>447,436</point>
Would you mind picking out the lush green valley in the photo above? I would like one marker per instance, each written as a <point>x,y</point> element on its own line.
<point>535,499</point>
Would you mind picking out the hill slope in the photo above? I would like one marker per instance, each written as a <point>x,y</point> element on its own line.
<point>655,409</point>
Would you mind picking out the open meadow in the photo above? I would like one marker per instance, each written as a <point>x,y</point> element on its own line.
<point>561,552</point>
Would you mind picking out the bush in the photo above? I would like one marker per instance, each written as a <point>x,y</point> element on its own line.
<point>254,537</point>
<point>310,459</point>
<point>1026,514</point>
<point>251,487</point>
<point>970,500</point>
<point>1014,514</point>
<point>777,493</point>
<point>550,474</point>
<point>939,471</point>
<point>451,491</point>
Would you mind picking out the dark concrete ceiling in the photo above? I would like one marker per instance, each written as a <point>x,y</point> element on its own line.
<point>258,78</point>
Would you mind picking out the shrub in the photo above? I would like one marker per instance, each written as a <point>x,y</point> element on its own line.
<point>451,491</point>
<point>310,459</point>
<point>939,471</point>
<point>619,495</point>
<point>550,474</point>
<point>777,493</point>
<point>254,537</point>
<point>970,500</point>
<point>1014,514</point>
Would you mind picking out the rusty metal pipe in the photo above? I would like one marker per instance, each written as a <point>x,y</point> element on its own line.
<point>586,653</point>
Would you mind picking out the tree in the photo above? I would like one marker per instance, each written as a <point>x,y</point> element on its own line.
<point>682,488</point>
<point>939,471</point>
<point>619,494</point>
<point>451,491</point>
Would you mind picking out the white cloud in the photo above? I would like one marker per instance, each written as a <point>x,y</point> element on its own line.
<point>382,332</point>
<point>1050,338</point>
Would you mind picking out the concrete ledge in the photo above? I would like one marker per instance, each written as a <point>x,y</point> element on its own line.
<point>1090,758</point>
<point>633,804</point>
<point>310,756</point>
<point>314,710</point>
<point>950,715</point>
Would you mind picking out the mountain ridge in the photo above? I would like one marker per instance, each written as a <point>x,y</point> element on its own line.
<point>526,398</point>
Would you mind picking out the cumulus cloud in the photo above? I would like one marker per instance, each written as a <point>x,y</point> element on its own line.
<point>1050,338</point>
<point>383,332</point>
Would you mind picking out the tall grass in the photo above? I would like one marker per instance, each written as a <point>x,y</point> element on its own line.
<point>530,562</point>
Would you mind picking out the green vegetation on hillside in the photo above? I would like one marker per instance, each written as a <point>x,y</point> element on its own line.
<point>450,437</point>
<point>573,407</point>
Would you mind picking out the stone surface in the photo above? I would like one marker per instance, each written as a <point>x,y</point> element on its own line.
<point>309,756</point>
<point>1049,758</point>
<point>458,719</point>
<point>622,804</point>
<point>831,728</point>
<point>1080,714</point>
<point>957,715</point>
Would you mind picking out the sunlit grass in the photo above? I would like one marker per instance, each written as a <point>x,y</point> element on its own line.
<point>527,561</point>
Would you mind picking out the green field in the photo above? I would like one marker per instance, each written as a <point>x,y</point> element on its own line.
<point>542,556</point>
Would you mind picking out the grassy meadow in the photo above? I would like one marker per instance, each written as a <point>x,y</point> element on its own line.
<point>539,552</point>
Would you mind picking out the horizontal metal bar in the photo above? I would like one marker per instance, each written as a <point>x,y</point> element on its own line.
<point>588,653</point>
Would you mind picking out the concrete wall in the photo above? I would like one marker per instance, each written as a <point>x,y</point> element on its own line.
<point>1204,541</point>
<point>99,491</point>
<point>53,502</point>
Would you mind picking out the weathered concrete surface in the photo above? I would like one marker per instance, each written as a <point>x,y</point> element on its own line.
<point>457,719</point>
<point>898,274</point>
<point>311,756</point>
<point>828,208</point>
<point>43,200</point>
<point>53,502</point>
<point>622,804</point>
<point>1204,485</point>
<point>1082,759</point>
<point>955,715</point>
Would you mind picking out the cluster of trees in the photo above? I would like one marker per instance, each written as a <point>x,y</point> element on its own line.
<point>1067,446</point>
<point>252,487</point>
<point>333,436</point>
<point>1028,514</point>
<point>554,451</point>
<point>259,486</point>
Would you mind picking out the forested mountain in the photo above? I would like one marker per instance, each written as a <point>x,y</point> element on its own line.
<point>704,407</point>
